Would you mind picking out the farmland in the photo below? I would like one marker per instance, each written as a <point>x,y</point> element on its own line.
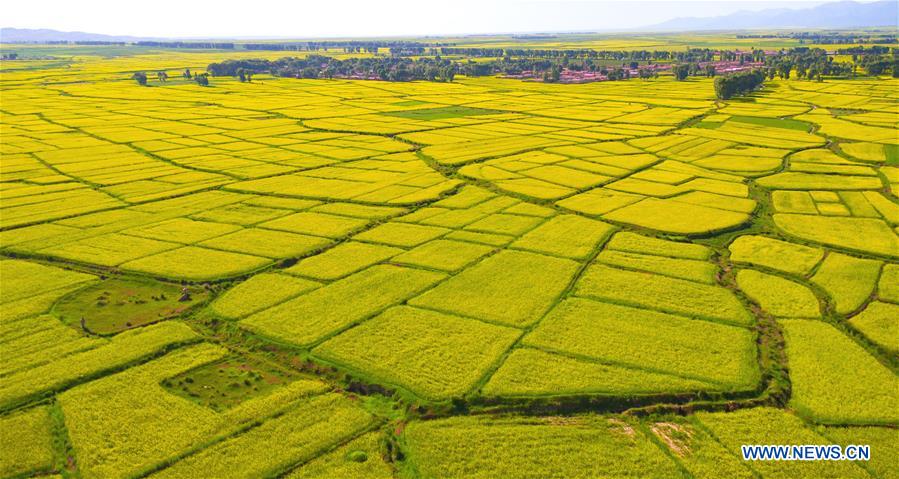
<point>483,277</point>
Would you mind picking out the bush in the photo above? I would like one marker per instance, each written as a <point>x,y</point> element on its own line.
<point>357,456</point>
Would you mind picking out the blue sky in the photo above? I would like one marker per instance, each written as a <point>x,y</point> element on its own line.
<point>341,18</point>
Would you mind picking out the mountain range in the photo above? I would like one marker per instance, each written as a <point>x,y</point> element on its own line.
<point>840,14</point>
<point>38,35</point>
<point>845,14</point>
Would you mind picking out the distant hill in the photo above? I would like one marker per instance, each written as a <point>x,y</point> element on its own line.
<point>834,15</point>
<point>27,35</point>
<point>846,14</point>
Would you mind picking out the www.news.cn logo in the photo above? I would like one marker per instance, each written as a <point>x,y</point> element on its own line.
<point>808,452</point>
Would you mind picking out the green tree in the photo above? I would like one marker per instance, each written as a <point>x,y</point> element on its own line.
<point>449,73</point>
<point>783,70</point>
<point>738,83</point>
<point>681,71</point>
<point>555,74</point>
<point>202,80</point>
<point>140,78</point>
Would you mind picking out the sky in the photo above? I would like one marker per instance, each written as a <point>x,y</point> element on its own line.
<point>358,18</point>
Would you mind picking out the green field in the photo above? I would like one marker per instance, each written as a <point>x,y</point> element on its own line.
<point>477,278</point>
<point>441,113</point>
<point>113,306</point>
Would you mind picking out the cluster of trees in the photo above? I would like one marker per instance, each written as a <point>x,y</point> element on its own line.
<point>829,38</point>
<point>517,66</point>
<point>244,75</point>
<point>400,48</point>
<point>202,79</point>
<point>79,42</point>
<point>471,52</point>
<point>517,52</point>
<point>548,66</point>
<point>438,69</point>
<point>550,69</point>
<point>229,67</point>
<point>204,45</point>
<point>683,70</point>
<point>738,83</point>
<point>690,55</point>
<point>405,69</point>
<point>880,64</point>
<point>98,42</point>
<point>811,63</point>
<point>839,40</point>
<point>318,66</point>
<point>9,56</point>
<point>862,50</point>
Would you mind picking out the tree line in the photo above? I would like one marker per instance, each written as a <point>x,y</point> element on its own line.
<point>318,66</point>
<point>406,69</point>
<point>815,63</point>
<point>824,38</point>
<point>692,54</point>
<point>99,42</point>
<point>198,45</point>
<point>202,79</point>
<point>872,50</point>
<point>405,48</point>
<point>880,65</point>
<point>804,62</point>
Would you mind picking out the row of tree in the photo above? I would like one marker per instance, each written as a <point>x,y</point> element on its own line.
<point>683,70</point>
<point>828,38</point>
<point>401,48</point>
<point>815,63</point>
<point>812,63</point>
<point>689,55</point>
<point>318,66</point>
<point>880,64</point>
<point>202,79</point>
<point>99,42</point>
<point>197,45</point>
<point>406,69</point>
<point>863,50</point>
